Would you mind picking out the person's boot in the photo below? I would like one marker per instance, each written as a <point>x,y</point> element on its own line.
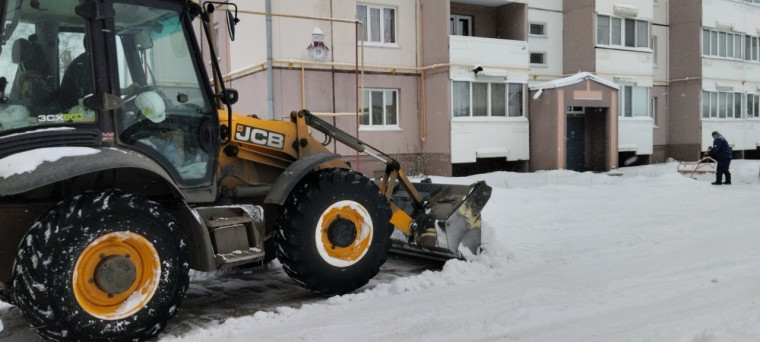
<point>718,179</point>
<point>728,178</point>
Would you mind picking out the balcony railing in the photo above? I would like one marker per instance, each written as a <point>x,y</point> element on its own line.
<point>489,52</point>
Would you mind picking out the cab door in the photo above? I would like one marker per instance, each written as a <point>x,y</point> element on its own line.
<point>167,111</point>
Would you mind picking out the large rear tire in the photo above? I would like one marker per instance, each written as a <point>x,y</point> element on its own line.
<point>106,266</point>
<point>334,232</point>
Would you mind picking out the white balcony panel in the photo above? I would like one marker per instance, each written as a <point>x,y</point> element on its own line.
<point>629,65</point>
<point>636,135</point>
<point>741,134</point>
<point>724,69</point>
<point>553,5</point>
<point>730,15</point>
<point>489,52</point>
<point>489,139</point>
<point>644,9</point>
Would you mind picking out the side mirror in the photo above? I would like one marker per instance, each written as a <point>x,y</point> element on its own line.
<point>232,20</point>
<point>228,96</point>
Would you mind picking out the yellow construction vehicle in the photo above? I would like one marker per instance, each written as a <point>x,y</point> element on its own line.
<point>119,174</point>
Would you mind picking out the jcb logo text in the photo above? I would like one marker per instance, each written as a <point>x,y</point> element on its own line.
<point>259,136</point>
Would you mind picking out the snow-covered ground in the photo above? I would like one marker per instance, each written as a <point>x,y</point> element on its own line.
<point>650,255</point>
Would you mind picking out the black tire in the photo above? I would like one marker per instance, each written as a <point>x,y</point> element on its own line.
<point>306,258</point>
<point>104,233</point>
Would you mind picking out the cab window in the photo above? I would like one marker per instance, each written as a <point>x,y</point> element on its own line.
<point>35,52</point>
<point>165,112</point>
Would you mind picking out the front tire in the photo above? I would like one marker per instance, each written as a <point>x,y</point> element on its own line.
<point>107,266</point>
<point>334,232</point>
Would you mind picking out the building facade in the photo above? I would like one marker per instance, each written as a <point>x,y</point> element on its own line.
<point>468,86</point>
<point>714,76</point>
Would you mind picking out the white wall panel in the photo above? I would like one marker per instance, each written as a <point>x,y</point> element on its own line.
<point>636,134</point>
<point>645,8</point>
<point>490,138</point>
<point>741,134</point>
<point>489,52</point>
<point>551,44</point>
<point>731,15</point>
<point>635,66</point>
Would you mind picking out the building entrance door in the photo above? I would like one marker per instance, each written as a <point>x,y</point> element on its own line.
<point>576,143</point>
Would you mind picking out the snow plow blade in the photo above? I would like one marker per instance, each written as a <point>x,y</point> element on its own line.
<point>454,210</point>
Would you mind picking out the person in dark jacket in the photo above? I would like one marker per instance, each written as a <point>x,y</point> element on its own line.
<point>721,152</point>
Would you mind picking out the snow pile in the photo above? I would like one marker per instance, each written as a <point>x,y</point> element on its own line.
<point>650,255</point>
<point>645,255</point>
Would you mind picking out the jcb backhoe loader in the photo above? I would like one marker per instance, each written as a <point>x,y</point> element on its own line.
<point>118,174</point>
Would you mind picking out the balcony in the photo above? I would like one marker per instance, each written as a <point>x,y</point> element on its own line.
<point>503,53</point>
<point>490,33</point>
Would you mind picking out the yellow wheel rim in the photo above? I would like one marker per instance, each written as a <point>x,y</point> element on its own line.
<point>116,275</point>
<point>344,233</point>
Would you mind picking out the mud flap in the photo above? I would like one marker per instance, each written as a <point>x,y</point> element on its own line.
<point>455,210</point>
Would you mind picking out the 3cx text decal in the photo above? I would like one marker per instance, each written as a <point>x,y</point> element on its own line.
<point>259,136</point>
<point>60,117</point>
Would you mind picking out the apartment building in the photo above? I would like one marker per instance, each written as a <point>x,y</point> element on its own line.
<point>714,76</point>
<point>444,83</point>
<point>485,46</point>
<point>459,87</point>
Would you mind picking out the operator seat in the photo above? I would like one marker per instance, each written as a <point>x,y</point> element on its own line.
<point>34,83</point>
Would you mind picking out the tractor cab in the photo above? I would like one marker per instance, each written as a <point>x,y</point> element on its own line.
<point>100,73</point>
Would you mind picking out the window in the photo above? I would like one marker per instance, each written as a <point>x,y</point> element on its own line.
<point>461,99</point>
<point>380,108</point>
<point>460,25</point>
<point>603,30</point>
<point>622,32</point>
<point>379,23</point>
<point>753,106</point>
<point>751,48</point>
<point>721,105</point>
<point>617,31</point>
<point>721,44</point>
<point>481,99</point>
<point>634,101</point>
<point>538,58</point>
<point>537,29</point>
<point>515,99</point>
<point>69,46</point>
<point>33,77</point>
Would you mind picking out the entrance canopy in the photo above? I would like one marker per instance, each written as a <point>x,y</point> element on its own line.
<point>570,80</point>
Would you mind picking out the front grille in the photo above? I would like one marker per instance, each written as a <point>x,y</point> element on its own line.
<point>19,142</point>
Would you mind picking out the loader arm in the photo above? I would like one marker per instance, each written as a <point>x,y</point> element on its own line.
<point>449,215</point>
<point>393,172</point>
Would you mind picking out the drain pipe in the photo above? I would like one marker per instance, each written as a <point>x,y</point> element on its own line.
<point>270,82</point>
